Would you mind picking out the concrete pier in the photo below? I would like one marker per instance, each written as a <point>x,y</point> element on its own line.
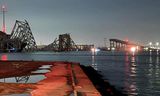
<point>64,79</point>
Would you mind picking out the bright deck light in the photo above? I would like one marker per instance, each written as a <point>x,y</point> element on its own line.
<point>133,49</point>
<point>95,49</point>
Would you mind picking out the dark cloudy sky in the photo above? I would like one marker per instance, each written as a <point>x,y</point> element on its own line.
<point>88,21</point>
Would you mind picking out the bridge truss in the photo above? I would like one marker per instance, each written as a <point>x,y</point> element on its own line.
<point>63,43</point>
<point>22,32</point>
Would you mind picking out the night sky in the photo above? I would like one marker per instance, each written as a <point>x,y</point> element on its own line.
<point>88,21</point>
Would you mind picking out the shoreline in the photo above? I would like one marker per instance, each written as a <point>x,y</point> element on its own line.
<point>104,87</point>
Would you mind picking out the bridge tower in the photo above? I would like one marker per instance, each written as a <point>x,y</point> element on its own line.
<point>22,32</point>
<point>63,43</point>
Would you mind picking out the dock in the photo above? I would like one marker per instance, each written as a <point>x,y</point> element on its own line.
<point>64,79</point>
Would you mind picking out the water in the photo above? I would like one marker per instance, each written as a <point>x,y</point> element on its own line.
<point>43,69</point>
<point>29,78</point>
<point>134,75</point>
<point>26,94</point>
<point>23,79</point>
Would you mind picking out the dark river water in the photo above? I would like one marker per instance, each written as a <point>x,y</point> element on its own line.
<point>134,74</point>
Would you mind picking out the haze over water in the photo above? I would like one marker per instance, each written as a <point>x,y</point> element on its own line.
<point>137,74</point>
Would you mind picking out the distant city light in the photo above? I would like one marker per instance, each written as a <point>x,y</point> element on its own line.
<point>96,50</point>
<point>113,48</point>
<point>157,43</point>
<point>146,48</point>
<point>150,43</point>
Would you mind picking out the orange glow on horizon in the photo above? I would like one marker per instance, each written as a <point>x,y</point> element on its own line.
<point>126,39</point>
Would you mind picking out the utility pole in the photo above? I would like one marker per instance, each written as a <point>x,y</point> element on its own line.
<point>3,10</point>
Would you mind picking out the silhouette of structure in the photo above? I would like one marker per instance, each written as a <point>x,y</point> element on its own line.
<point>22,32</point>
<point>7,44</point>
<point>22,79</point>
<point>21,39</point>
<point>121,45</point>
<point>63,43</point>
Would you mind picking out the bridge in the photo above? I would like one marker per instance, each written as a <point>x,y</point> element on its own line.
<point>65,43</point>
<point>120,45</point>
<point>23,33</point>
<point>20,39</point>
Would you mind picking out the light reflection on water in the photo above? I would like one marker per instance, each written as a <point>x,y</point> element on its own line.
<point>30,77</point>
<point>25,94</point>
<point>135,75</point>
<point>11,85</point>
<point>94,64</point>
<point>23,79</point>
<point>131,73</point>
